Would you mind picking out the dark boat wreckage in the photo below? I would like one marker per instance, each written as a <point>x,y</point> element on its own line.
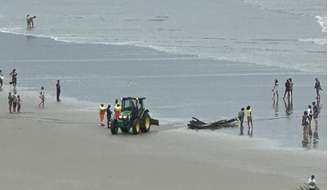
<point>197,124</point>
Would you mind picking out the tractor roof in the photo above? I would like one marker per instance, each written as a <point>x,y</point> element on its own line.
<point>133,98</point>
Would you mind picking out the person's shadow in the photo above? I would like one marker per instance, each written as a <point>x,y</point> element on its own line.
<point>288,106</point>
<point>275,106</point>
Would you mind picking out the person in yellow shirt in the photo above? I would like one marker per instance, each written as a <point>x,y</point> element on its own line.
<point>117,109</point>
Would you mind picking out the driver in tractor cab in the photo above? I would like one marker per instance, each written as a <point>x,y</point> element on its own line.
<point>117,110</point>
<point>135,109</point>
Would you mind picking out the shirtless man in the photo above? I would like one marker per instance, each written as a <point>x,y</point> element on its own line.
<point>29,21</point>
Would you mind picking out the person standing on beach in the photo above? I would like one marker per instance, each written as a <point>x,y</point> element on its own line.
<point>10,101</point>
<point>241,115</point>
<point>14,102</point>
<point>117,109</point>
<point>275,91</point>
<point>13,75</point>
<point>1,79</point>
<point>102,110</point>
<point>42,97</point>
<point>19,101</point>
<point>309,111</point>
<point>317,87</point>
<point>305,124</point>
<point>109,115</point>
<point>291,85</point>
<point>315,118</point>
<point>58,91</point>
<point>287,87</point>
<point>249,120</point>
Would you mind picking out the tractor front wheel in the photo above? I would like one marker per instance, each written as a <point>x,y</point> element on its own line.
<point>136,127</point>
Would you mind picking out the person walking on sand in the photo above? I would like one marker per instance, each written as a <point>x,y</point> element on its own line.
<point>14,102</point>
<point>19,101</point>
<point>249,120</point>
<point>1,79</point>
<point>317,87</point>
<point>305,124</point>
<point>241,115</point>
<point>102,110</point>
<point>275,91</point>
<point>58,91</point>
<point>287,87</point>
<point>13,75</point>
<point>10,101</point>
<point>42,97</point>
<point>109,115</point>
<point>117,110</point>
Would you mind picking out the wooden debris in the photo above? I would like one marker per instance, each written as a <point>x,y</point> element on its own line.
<point>198,124</point>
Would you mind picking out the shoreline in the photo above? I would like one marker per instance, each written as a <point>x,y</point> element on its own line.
<point>159,50</point>
<point>161,110</point>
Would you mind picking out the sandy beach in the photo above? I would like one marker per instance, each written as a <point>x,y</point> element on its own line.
<point>60,147</point>
<point>203,59</point>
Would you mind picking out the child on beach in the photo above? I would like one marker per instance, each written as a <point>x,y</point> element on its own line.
<point>42,97</point>
<point>102,110</point>
<point>249,120</point>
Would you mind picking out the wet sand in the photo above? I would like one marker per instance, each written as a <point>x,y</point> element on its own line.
<point>60,147</point>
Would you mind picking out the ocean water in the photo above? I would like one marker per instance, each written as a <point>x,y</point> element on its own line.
<point>205,59</point>
<point>280,33</point>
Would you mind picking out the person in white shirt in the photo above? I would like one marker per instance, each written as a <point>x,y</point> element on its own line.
<point>312,183</point>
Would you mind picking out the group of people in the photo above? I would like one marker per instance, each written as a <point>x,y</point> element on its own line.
<point>311,114</point>
<point>310,118</point>
<point>241,115</point>
<point>107,110</point>
<point>15,101</point>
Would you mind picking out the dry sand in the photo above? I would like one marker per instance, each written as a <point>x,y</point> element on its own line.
<point>60,147</point>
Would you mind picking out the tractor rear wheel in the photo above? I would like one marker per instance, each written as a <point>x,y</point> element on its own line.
<point>136,127</point>
<point>114,128</point>
<point>145,123</point>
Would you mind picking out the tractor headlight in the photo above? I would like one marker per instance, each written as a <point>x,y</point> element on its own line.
<point>125,116</point>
